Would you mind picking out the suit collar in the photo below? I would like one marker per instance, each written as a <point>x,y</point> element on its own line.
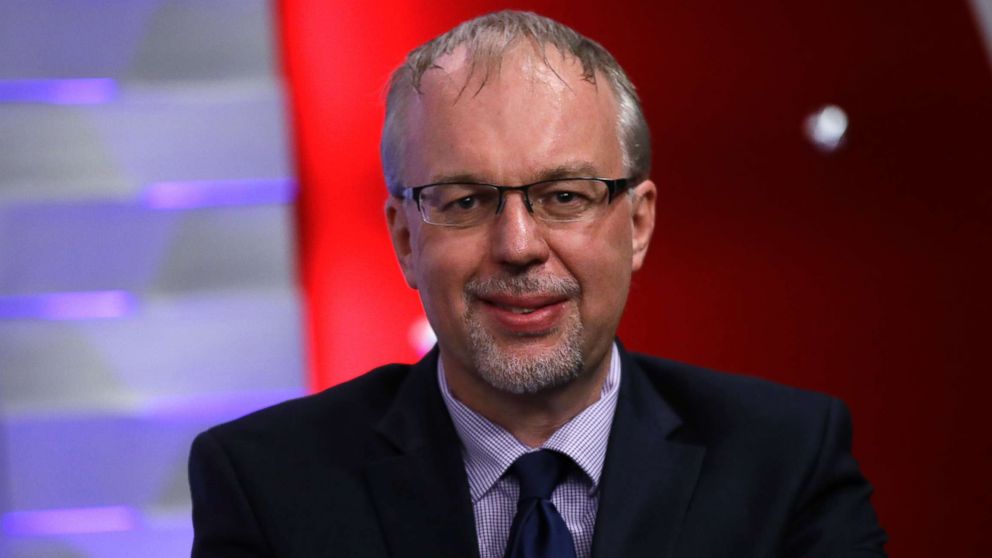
<point>420,488</point>
<point>418,484</point>
<point>649,476</point>
<point>417,418</point>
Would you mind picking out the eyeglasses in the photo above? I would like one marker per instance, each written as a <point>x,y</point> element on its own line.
<point>563,200</point>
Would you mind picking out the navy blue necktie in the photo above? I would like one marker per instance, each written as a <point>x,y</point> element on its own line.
<point>538,530</point>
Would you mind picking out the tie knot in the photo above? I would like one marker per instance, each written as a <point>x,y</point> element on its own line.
<point>538,473</point>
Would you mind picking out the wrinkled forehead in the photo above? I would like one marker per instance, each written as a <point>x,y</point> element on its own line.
<point>523,68</point>
<point>512,119</point>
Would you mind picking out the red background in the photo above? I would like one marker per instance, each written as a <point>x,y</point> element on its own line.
<point>864,273</point>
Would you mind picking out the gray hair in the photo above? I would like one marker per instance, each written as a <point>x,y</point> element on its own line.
<point>487,39</point>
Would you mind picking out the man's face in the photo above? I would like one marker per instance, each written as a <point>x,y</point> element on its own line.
<point>520,304</point>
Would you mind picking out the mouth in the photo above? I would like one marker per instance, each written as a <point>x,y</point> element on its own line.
<point>521,305</point>
<point>514,309</point>
<point>524,314</point>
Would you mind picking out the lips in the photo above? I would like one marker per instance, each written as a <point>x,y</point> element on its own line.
<point>516,309</point>
<point>524,314</point>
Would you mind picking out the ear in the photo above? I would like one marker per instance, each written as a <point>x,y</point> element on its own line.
<point>399,233</point>
<point>642,221</point>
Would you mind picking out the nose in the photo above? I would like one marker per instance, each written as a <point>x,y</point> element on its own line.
<point>517,238</point>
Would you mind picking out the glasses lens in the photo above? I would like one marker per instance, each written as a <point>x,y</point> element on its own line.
<point>568,200</point>
<point>458,204</point>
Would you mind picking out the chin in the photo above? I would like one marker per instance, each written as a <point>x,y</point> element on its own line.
<point>529,364</point>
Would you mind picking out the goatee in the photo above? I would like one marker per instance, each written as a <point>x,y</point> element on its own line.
<point>507,370</point>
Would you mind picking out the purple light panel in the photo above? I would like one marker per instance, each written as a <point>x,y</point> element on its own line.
<point>58,91</point>
<point>217,193</point>
<point>70,521</point>
<point>68,306</point>
<point>216,408</point>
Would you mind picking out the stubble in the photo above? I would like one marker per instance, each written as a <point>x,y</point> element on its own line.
<point>517,372</point>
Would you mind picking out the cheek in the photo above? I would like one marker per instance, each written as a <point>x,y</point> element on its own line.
<point>600,259</point>
<point>604,248</point>
<point>431,274</point>
<point>444,265</point>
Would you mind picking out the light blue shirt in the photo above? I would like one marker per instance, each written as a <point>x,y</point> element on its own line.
<point>488,451</point>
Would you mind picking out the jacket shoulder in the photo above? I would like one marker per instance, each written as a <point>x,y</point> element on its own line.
<point>785,453</point>
<point>335,419</point>
<point>717,403</point>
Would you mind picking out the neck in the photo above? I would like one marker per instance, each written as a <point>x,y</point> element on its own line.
<point>530,418</point>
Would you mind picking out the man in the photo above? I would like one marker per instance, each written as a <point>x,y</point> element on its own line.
<point>517,160</point>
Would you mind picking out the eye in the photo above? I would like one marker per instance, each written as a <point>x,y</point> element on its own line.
<point>468,202</point>
<point>565,197</point>
<point>453,198</point>
<point>464,203</point>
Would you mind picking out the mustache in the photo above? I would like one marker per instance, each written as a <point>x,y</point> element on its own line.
<point>517,285</point>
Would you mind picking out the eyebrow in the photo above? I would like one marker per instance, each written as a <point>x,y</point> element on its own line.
<point>572,169</point>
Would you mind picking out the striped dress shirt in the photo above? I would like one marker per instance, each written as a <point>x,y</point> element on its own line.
<point>488,451</point>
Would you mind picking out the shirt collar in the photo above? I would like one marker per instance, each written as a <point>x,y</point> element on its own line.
<point>489,449</point>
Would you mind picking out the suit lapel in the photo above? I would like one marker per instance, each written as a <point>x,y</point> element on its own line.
<point>417,478</point>
<point>649,475</point>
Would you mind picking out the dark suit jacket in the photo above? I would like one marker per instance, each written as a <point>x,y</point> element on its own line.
<point>699,464</point>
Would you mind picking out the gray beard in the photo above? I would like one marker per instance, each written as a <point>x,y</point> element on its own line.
<point>507,371</point>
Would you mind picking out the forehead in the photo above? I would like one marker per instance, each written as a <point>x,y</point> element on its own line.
<point>509,121</point>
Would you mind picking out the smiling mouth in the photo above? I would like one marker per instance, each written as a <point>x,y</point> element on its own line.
<point>523,305</point>
<point>514,309</point>
<point>525,316</point>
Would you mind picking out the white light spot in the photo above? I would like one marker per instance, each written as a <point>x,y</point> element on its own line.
<point>826,127</point>
<point>421,336</point>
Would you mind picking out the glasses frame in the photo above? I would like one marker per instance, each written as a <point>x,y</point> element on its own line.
<point>614,187</point>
